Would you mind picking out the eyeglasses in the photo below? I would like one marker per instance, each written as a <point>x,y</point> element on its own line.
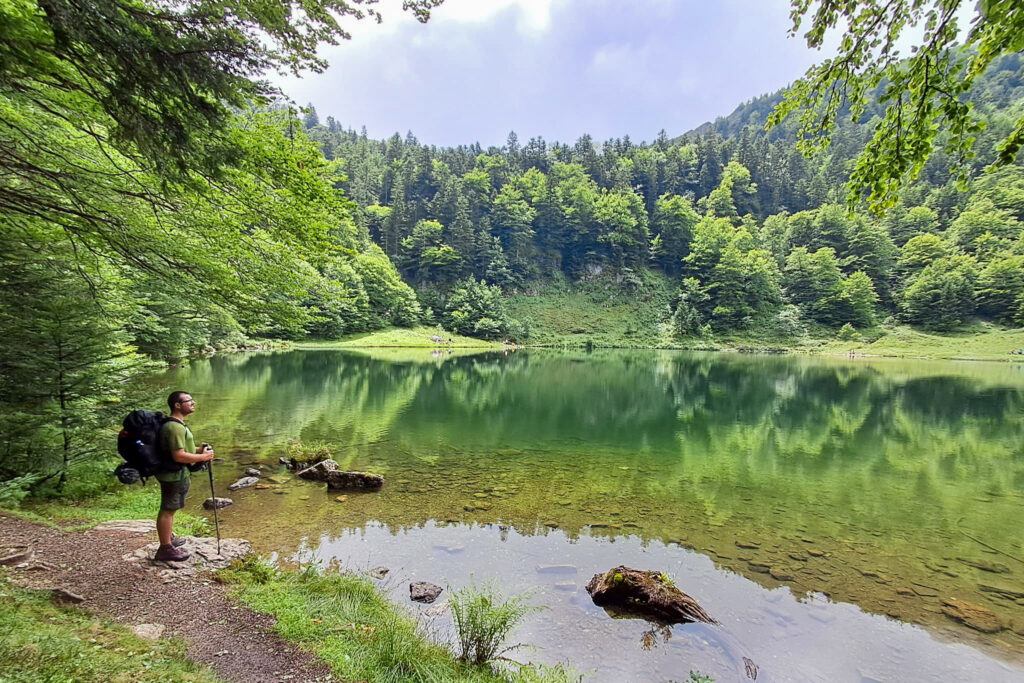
<point>191,400</point>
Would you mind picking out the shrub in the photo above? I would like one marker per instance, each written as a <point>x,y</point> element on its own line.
<point>847,333</point>
<point>483,622</point>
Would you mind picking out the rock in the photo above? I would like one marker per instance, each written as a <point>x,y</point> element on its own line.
<point>307,461</point>
<point>354,480</point>
<point>923,590</point>
<point>284,461</point>
<point>781,574</point>
<point>985,565</point>
<point>135,526</point>
<point>318,471</point>
<point>556,569</point>
<point>263,487</point>
<point>1012,593</point>
<point>378,572</point>
<point>565,586</point>
<point>20,555</point>
<point>64,595</point>
<point>975,616</point>
<point>252,472</point>
<point>437,610</point>
<point>645,594</point>
<point>148,631</point>
<point>341,499</point>
<point>276,479</point>
<point>422,591</point>
<point>749,545</point>
<point>211,503</point>
<point>204,556</point>
<point>243,483</point>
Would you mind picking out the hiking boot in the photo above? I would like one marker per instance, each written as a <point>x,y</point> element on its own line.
<point>177,541</point>
<point>168,553</point>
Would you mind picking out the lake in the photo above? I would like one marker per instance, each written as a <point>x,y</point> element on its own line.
<point>841,518</point>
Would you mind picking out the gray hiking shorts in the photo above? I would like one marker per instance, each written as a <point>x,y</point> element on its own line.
<point>172,494</point>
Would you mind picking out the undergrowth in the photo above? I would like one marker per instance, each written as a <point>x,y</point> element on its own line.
<point>41,642</point>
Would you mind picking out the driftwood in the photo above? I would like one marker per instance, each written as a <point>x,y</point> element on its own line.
<point>645,594</point>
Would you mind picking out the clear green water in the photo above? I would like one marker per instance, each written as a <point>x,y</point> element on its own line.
<point>821,509</point>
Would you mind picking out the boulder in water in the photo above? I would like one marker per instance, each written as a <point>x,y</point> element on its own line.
<point>217,503</point>
<point>354,480</point>
<point>243,483</point>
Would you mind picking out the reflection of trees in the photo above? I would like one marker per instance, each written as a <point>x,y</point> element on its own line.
<point>733,438</point>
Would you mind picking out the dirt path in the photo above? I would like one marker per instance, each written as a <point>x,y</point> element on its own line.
<point>235,641</point>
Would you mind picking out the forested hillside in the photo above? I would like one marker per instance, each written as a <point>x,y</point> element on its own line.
<point>154,203</point>
<point>752,232</point>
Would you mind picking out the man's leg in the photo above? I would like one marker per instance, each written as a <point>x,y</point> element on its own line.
<point>165,526</point>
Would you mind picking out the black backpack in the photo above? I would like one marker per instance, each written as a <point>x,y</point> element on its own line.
<point>139,444</point>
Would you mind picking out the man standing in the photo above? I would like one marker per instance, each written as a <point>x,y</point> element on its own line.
<point>178,447</point>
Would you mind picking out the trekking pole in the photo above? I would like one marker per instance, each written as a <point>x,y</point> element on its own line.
<point>216,522</point>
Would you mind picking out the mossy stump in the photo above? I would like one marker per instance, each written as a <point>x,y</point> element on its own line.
<point>645,594</point>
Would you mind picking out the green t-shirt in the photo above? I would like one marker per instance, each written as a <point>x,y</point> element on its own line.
<point>173,436</point>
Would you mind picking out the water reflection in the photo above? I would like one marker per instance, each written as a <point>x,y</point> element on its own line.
<point>887,485</point>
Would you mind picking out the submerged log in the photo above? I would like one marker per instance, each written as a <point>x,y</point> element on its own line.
<point>645,594</point>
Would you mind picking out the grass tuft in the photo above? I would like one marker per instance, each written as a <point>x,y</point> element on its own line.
<point>483,622</point>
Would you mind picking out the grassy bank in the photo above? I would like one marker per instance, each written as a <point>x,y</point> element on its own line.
<point>41,642</point>
<point>401,337</point>
<point>979,341</point>
<point>604,312</point>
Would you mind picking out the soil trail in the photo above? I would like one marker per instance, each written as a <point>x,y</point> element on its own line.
<point>235,641</point>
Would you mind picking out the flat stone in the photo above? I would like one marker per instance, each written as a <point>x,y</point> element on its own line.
<point>64,595</point>
<point>378,572</point>
<point>252,472</point>
<point>985,565</point>
<point>815,553</point>
<point>1012,593</point>
<point>148,631</point>
<point>567,586</point>
<point>556,569</point>
<point>424,591</point>
<point>244,482</point>
<point>211,503</point>
<point>438,609</point>
<point>21,555</point>
<point>135,526</point>
<point>924,591</point>
<point>204,556</point>
<point>975,616</point>
<point>263,487</point>
<point>341,499</point>
<point>781,574</point>
<point>750,545</point>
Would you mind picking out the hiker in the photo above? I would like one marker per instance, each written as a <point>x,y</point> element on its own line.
<point>178,448</point>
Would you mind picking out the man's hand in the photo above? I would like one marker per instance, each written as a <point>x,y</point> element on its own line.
<point>206,450</point>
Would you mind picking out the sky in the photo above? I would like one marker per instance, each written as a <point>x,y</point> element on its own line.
<point>554,68</point>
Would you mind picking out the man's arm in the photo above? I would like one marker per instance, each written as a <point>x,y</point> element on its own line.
<point>189,458</point>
